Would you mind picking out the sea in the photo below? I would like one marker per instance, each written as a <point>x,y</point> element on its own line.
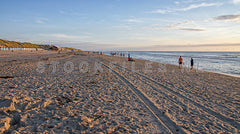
<point>227,63</point>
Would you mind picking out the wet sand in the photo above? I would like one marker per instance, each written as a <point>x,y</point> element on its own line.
<point>77,92</point>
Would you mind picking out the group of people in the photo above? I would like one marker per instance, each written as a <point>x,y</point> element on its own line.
<point>117,54</point>
<point>130,58</point>
<point>180,61</point>
<point>122,55</point>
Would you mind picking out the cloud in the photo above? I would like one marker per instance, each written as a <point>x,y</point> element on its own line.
<point>236,1</point>
<point>177,2</point>
<point>122,27</point>
<point>174,26</point>
<point>64,36</point>
<point>160,11</point>
<point>194,1</point>
<point>71,13</point>
<point>178,24</point>
<point>192,29</point>
<point>194,6</point>
<point>184,29</point>
<point>133,20</point>
<point>62,12</point>
<point>41,20</point>
<point>190,7</point>
<point>152,28</point>
<point>227,18</point>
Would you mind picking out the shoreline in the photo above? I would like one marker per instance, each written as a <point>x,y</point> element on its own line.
<point>227,74</point>
<point>46,53</point>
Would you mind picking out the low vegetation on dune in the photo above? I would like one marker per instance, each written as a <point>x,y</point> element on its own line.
<point>15,44</point>
<point>69,48</point>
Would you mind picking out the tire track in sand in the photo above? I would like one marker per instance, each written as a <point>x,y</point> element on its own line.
<point>159,115</point>
<point>209,111</point>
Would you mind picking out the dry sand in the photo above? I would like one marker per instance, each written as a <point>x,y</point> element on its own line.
<point>97,100</point>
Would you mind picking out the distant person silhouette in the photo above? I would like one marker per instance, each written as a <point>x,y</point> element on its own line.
<point>180,61</point>
<point>191,63</point>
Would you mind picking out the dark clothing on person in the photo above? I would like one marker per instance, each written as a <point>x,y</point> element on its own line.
<point>191,63</point>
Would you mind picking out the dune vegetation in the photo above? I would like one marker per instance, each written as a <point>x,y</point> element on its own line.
<point>15,44</point>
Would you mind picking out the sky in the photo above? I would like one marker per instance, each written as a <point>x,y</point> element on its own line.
<point>127,25</point>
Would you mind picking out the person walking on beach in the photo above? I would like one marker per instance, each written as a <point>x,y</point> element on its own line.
<point>180,61</point>
<point>191,63</point>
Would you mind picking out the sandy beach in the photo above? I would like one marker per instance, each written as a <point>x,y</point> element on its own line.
<point>81,92</point>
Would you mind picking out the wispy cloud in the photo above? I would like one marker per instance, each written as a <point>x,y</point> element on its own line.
<point>194,1</point>
<point>71,13</point>
<point>190,7</point>
<point>176,2</point>
<point>65,36</point>
<point>175,26</point>
<point>41,20</point>
<point>153,28</point>
<point>236,1</point>
<point>122,27</point>
<point>228,18</point>
<point>133,20</point>
<point>192,29</point>
<point>178,24</point>
<point>160,11</point>
<point>194,6</point>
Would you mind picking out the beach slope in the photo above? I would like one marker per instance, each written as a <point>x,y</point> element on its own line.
<point>81,92</point>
